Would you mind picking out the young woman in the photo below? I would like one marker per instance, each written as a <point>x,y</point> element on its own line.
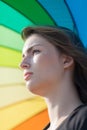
<point>55,67</point>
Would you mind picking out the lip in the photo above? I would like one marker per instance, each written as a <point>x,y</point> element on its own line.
<point>27,75</point>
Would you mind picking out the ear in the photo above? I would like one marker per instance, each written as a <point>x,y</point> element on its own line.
<point>67,61</point>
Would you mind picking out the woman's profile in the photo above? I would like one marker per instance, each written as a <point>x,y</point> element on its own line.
<point>55,67</point>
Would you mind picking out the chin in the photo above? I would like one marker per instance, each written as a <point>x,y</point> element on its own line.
<point>29,85</point>
<point>32,87</point>
<point>35,89</point>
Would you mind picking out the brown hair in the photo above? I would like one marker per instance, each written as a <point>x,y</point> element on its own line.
<point>69,43</point>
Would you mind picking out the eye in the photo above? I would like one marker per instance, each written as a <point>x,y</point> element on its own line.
<point>23,56</point>
<point>36,51</point>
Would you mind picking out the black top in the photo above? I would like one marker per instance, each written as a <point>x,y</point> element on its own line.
<point>77,120</point>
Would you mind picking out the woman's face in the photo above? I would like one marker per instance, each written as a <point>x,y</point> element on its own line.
<point>42,65</point>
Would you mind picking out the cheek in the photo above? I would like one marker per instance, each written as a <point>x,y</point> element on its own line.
<point>47,66</point>
<point>42,61</point>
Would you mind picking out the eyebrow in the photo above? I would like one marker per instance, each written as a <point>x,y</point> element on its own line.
<point>30,48</point>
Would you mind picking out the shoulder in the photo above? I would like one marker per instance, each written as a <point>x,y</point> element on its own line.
<point>81,112</point>
<point>76,121</point>
<point>79,118</point>
<point>82,117</point>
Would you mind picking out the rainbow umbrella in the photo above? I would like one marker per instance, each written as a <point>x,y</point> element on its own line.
<point>19,109</point>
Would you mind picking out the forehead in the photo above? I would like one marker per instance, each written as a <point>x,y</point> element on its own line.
<point>35,40</point>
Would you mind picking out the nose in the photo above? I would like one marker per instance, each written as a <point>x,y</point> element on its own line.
<point>24,65</point>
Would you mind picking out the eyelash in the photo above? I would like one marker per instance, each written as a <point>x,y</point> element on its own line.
<point>35,51</point>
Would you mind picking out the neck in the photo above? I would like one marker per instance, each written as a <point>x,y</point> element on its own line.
<point>62,101</point>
